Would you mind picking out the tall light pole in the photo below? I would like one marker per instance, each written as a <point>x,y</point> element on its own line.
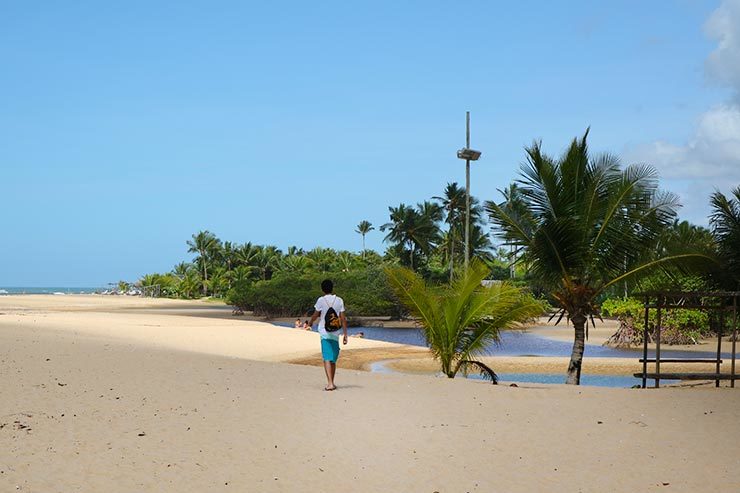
<point>468,155</point>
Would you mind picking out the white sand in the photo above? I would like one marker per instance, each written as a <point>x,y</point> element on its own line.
<point>110,401</point>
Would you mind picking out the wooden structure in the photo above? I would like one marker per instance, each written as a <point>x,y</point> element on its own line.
<point>722,304</point>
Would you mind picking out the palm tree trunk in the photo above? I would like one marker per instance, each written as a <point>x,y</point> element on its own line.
<point>363,245</point>
<point>205,275</point>
<point>576,357</point>
<point>452,256</point>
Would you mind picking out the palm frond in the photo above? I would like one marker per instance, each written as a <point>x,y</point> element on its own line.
<point>483,370</point>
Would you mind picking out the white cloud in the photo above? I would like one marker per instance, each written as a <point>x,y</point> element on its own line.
<point>710,159</point>
<point>723,64</point>
<point>713,153</point>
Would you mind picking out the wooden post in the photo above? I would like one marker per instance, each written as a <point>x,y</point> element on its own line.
<point>734,337</point>
<point>645,343</point>
<point>657,343</point>
<point>719,343</point>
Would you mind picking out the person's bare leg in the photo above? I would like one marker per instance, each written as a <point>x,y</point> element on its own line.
<point>329,374</point>
<point>333,372</point>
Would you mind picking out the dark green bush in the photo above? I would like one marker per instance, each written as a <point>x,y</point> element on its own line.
<point>365,292</point>
<point>679,326</point>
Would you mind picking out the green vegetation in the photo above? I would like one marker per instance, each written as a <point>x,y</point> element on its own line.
<point>270,282</point>
<point>583,225</point>
<point>575,231</point>
<point>679,326</point>
<point>365,292</point>
<point>725,223</point>
<point>462,319</point>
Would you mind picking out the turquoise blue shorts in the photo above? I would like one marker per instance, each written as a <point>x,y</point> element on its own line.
<point>330,350</point>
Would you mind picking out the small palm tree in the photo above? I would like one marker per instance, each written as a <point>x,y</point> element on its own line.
<point>462,319</point>
<point>364,228</point>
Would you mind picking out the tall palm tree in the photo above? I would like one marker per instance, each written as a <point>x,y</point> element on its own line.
<point>246,256</point>
<point>413,231</point>
<point>205,244</point>
<point>462,320</point>
<point>453,203</point>
<point>454,207</point>
<point>364,228</point>
<point>725,224</point>
<point>583,225</point>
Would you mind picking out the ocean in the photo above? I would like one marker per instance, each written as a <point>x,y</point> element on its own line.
<point>48,290</point>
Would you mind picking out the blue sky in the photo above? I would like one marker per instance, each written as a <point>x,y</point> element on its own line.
<point>126,128</point>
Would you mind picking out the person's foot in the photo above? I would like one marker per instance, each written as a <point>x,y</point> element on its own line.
<point>328,388</point>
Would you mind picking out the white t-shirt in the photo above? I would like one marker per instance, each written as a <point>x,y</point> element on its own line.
<point>322,305</point>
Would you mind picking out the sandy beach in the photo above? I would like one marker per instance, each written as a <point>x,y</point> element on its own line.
<point>127,394</point>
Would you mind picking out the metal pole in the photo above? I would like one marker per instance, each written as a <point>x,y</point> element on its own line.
<point>467,191</point>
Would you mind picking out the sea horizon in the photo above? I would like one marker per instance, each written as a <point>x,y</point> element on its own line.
<point>7,290</point>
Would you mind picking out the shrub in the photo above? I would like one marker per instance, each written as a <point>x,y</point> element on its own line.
<point>679,326</point>
<point>365,292</point>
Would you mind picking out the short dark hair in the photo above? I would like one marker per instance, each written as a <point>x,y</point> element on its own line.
<point>327,286</point>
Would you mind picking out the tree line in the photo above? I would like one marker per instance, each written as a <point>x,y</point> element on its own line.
<point>579,228</point>
<point>427,237</point>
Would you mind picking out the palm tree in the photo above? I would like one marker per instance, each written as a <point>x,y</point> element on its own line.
<point>364,228</point>
<point>246,256</point>
<point>180,270</point>
<point>413,231</point>
<point>345,261</point>
<point>453,203</point>
<point>725,224</point>
<point>323,259</point>
<point>266,261</point>
<point>462,320</point>
<point>583,225</point>
<point>205,244</point>
<point>294,263</point>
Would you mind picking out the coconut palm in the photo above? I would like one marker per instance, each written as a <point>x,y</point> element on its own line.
<point>364,228</point>
<point>181,269</point>
<point>583,225</point>
<point>205,244</point>
<point>725,224</point>
<point>345,261</point>
<point>453,203</point>
<point>413,231</point>
<point>462,320</point>
<point>322,259</point>
<point>266,261</point>
<point>294,263</point>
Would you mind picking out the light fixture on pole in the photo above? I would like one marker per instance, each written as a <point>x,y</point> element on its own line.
<point>468,155</point>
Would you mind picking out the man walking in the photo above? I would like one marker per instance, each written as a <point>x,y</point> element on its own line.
<point>330,306</point>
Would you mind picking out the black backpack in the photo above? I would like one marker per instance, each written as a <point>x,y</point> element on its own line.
<point>332,322</point>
